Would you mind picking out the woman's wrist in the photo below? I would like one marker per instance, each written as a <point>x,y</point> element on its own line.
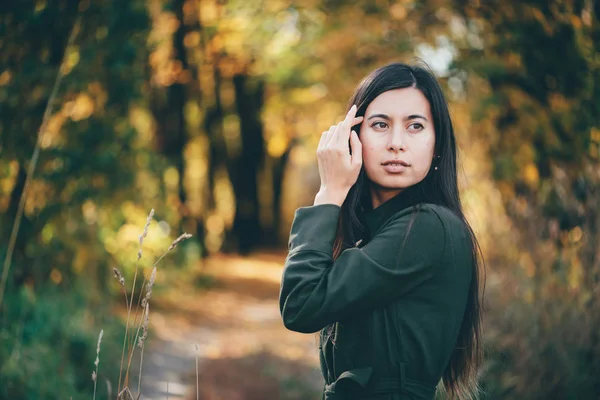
<point>326,196</point>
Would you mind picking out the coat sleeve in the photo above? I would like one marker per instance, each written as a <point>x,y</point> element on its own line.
<point>316,290</point>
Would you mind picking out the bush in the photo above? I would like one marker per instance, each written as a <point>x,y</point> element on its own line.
<point>549,349</point>
<point>48,344</point>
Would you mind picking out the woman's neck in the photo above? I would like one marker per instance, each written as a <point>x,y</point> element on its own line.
<point>380,196</point>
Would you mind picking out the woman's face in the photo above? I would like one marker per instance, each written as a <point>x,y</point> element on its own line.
<point>398,140</point>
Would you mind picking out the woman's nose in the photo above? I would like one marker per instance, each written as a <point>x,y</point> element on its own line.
<point>396,141</point>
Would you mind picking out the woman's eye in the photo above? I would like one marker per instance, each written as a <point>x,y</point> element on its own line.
<point>379,124</point>
<point>416,126</point>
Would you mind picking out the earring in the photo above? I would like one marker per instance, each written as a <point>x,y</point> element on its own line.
<point>436,168</point>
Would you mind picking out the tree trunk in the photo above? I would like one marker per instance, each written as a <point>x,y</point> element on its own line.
<point>169,112</point>
<point>278,177</point>
<point>249,97</point>
<point>177,95</point>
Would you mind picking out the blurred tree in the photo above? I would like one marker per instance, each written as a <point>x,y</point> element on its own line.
<point>274,61</point>
<point>546,112</point>
<point>172,87</point>
<point>249,95</point>
<point>539,60</point>
<point>90,118</point>
<point>88,167</point>
<point>231,97</point>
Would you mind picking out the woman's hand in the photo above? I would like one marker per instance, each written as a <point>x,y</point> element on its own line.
<point>337,168</point>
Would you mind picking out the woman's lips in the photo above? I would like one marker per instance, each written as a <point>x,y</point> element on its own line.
<point>394,168</point>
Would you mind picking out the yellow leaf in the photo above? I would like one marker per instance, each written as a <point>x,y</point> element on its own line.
<point>5,77</point>
<point>531,175</point>
<point>576,234</point>
<point>55,276</point>
<point>192,39</point>
<point>80,108</point>
<point>595,135</point>
<point>398,11</point>
<point>575,274</point>
<point>171,178</point>
<point>277,145</point>
<point>71,61</point>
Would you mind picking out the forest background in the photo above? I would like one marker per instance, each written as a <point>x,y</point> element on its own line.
<point>209,112</point>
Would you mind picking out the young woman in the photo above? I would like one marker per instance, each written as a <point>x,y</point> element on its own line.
<point>384,264</point>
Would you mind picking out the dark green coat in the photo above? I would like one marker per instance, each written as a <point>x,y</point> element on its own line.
<point>388,310</point>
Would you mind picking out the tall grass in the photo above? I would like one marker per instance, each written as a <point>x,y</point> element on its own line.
<point>136,330</point>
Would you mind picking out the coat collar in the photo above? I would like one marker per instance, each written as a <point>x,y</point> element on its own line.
<point>375,218</point>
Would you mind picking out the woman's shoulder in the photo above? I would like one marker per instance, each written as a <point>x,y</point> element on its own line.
<point>451,222</point>
<point>432,215</point>
<point>443,212</point>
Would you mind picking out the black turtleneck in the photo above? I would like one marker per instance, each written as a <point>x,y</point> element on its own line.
<point>374,218</point>
<point>397,300</point>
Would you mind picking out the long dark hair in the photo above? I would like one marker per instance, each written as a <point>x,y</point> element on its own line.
<point>438,187</point>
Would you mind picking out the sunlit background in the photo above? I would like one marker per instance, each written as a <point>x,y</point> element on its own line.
<point>209,112</point>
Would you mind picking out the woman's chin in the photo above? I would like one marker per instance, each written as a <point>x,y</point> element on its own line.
<point>393,184</point>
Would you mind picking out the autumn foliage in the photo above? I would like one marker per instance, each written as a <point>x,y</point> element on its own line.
<point>210,112</point>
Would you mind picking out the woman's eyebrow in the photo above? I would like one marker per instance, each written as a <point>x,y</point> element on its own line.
<point>415,116</point>
<point>408,118</point>
<point>384,116</point>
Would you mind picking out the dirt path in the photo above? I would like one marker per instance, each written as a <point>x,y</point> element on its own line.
<point>244,351</point>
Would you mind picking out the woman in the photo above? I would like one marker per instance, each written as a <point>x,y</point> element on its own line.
<point>384,264</point>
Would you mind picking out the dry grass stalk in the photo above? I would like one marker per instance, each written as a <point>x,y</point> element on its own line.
<point>148,295</point>
<point>142,338</point>
<point>144,323</point>
<point>97,362</point>
<point>140,376</point>
<point>108,389</point>
<point>142,236</point>
<point>125,394</point>
<point>141,341</point>
<point>197,381</point>
<point>143,296</point>
<point>143,301</point>
<point>141,241</point>
<point>121,279</point>
<point>34,158</point>
<point>145,232</point>
<point>181,238</point>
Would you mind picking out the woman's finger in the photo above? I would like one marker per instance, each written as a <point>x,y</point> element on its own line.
<point>329,135</point>
<point>322,140</point>
<point>344,133</point>
<point>350,116</point>
<point>356,147</point>
<point>333,138</point>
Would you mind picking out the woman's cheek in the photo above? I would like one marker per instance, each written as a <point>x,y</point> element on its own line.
<point>367,151</point>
